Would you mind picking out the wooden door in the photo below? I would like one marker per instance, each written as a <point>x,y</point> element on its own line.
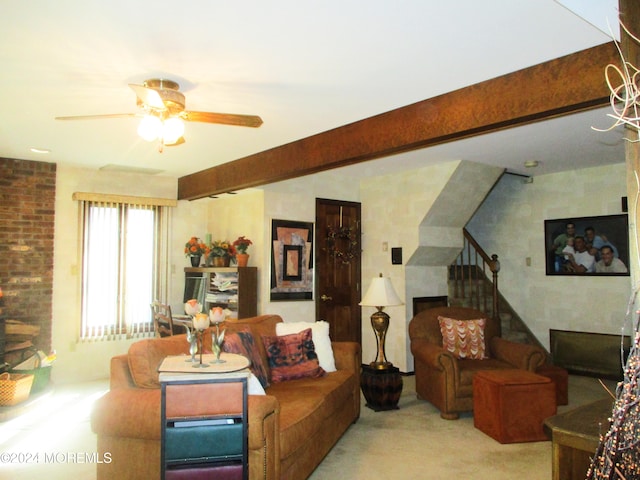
<point>338,257</point>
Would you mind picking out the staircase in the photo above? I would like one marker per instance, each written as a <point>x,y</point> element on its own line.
<point>473,283</point>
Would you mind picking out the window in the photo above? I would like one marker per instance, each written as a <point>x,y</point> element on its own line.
<point>123,265</point>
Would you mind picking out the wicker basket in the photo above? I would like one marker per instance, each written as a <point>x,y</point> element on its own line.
<point>41,377</point>
<point>14,388</point>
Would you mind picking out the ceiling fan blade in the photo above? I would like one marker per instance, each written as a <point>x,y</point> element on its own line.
<point>148,96</point>
<point>223,118</point>
<point>99,117</point>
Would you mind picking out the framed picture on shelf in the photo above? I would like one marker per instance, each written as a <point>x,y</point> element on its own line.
<point>587,246</point>
<point>291,260</point>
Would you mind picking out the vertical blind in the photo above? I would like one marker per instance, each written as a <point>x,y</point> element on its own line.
<point>124,264</point>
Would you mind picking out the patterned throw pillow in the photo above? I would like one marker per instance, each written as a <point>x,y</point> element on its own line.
<point>320,337</point>
<point>243,343</point>
<point>463,338</point>
<point>292,356</point>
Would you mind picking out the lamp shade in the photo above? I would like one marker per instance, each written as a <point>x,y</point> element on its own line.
<point>380,294</point>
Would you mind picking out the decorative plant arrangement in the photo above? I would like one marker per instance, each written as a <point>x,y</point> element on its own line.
<point>216,316</point>
<point>221,253</point>
<point>192,308</point>
<point>241,244</point>
<point>222,248</point>
<point>195,249</point>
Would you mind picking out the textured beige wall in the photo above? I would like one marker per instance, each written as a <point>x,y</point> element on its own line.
<point>392,208</point>
<point>296,200</point>
<point>511,224</point>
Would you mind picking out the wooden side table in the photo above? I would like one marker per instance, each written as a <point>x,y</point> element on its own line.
<point>381,388</point>
<point>204,425</point>
<point>575,435</point>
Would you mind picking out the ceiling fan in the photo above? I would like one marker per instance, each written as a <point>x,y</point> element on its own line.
<point>163,112</point>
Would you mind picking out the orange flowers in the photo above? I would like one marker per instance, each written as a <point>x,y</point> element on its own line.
<point>195,247</point>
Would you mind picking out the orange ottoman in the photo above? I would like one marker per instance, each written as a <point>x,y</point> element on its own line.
<point>560,377</point>
<point>510,405</point>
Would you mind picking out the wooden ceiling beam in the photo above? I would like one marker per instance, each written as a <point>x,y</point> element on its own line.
<point>565,85</point>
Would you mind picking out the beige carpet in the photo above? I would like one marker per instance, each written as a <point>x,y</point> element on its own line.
<point>415,443</point>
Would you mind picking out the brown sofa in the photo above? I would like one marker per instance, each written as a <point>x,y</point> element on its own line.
<point>291,428</point>
<point>447,381</point>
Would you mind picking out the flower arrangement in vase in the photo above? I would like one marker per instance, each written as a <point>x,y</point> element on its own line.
<point>217,316</point>
<point>195,249</point>
<point>241,244</point>
<point>221,252</point>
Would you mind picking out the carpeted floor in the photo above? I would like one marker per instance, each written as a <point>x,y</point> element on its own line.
<point>410,443</point>
<point>415,443</point>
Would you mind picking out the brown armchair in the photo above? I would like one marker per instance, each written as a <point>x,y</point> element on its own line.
<point>447,381</point>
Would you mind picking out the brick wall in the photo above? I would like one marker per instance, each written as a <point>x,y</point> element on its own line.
<point>27,213</point>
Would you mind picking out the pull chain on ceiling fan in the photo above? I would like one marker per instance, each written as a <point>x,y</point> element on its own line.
<point>163,113</point>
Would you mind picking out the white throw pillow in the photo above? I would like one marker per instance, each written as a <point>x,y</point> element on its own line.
<point>254,387</point>
<point>321,340</point>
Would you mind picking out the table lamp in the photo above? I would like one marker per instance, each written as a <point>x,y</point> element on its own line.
<point>380,294</point>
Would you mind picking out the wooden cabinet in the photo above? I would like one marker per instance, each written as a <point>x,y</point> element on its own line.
<point>204,426</point>
<point>575,437</point>
<point>233,288</point>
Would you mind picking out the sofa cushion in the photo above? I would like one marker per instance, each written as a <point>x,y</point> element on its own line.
<point>308,405</point>
<point>243,343</point>
<point>292,356</point>
<point>463,338</point>
<point>320,336</point>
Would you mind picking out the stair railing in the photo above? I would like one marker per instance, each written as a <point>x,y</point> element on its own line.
<point>470,269</point>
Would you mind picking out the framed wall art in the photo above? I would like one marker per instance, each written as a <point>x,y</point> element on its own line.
<point>587,245</point>
<point>291,260</point>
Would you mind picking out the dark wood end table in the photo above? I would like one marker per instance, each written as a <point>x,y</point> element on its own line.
<point>381,388</point>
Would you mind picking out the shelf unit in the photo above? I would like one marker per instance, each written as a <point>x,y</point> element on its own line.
<point>233,288</point>
<point>204,426</point>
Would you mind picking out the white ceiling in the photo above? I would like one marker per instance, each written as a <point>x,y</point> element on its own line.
<point>304,66</point>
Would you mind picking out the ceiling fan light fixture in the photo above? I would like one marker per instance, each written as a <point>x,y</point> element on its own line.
<point>172,130</point>
<point>150,128</point>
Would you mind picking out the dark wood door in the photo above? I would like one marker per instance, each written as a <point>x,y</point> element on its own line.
<point>338,288</point>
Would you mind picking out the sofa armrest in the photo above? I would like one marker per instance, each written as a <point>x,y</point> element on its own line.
<point>520,355</point>
<point>120,375</point>
<point>264,415</point>
<point>348,356</point>
<point>136,413</point>
<point>128,413</point>
<point>433,355</point>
